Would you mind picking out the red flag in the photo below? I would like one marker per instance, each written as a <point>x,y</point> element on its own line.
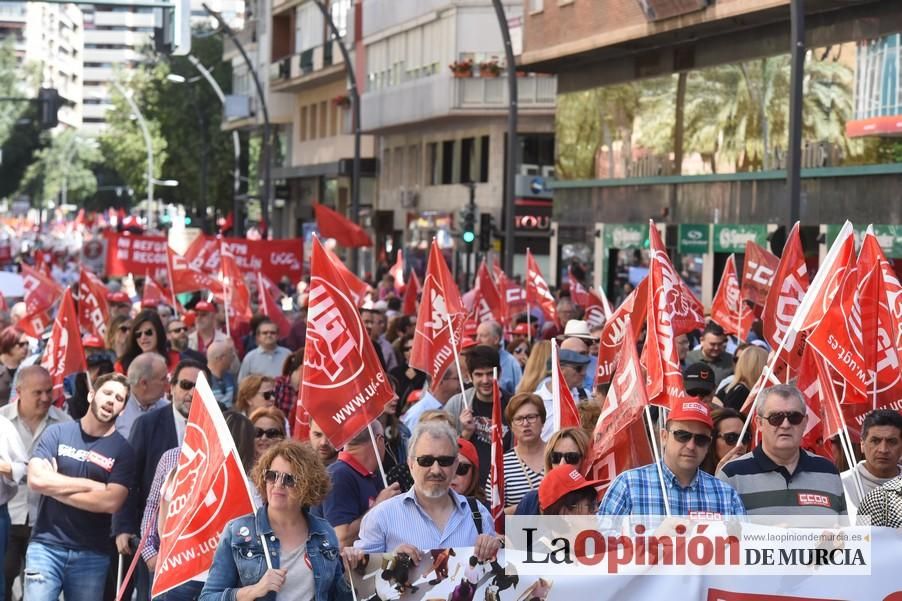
<point>489,304</point>
<point>784,297</point>
<point>40,290</point>
<point>441,309</point>
<point>665,301</point>
<point>595,310</point>
<point>563,407</point>
<point>238,297</point>
<point>186,278</point>
<point>496,473</point>
<point>630,314</point>
<point>34,324</point>
<point>728,308</point>
<point>578,293</point>
<point>271,308</point>
<point>344,386</point>
<point>409,302</point>
<point>64,353</point>
<point>332,224</point>
<point>828,280</point>
<point>514,295</point>
<point>817,433</point>
<point>397,271</point>
<point>93,311</point>
<point>758,271</point>
<point>209,490</point>
<point>537,291</point>
<point>153,293</point>
<point>619,442</point>
<point>357,288</point>
<point>870,254</point>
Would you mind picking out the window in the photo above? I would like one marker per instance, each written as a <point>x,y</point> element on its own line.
<point>468,160</point>
<point>323,119</point>
<point>536,5</point>
<point>432,160</point>
<point>303,124</point>
<point>447,162</point>
<point>308,27</point>
<point>341,10</point>
<point>484,159</point>
<point>313,122</point>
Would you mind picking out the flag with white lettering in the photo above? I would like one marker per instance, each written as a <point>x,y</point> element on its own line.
<point>630,314</point>
<point>537,291</point>
<point>93,311</point>
<point>344,386</point>
<point>185,277</point>
<point>41,291</point>
<point>488,304</point>
<point>237,296</point>
<point>728,309</point>
<point>870,254</point>
<point>758,271</point>
<point>784,297</point>
<point>209,489</point>
<point>64,353</point>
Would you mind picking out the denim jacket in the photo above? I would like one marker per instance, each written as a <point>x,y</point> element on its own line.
<point>240,561</point>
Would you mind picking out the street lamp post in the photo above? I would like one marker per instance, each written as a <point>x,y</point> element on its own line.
<point>147,142</point>
<point>797,79</point>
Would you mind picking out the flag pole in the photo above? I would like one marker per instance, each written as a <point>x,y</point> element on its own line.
<point>846,443</point>
<point>460,375</point>
<point>528,326</point>
<point>369,427</point>
<point>654,447</point>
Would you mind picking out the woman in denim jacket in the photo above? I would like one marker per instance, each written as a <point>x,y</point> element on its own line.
<point>282,552</point>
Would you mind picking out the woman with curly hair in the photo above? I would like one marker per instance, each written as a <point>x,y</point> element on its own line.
<point>283,543</point>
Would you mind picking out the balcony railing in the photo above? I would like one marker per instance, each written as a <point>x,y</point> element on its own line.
<point>307,62</point>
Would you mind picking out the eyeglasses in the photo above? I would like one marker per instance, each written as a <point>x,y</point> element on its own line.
<point>570,457</point>
<point>682,436</point>
<point>776,419</point>
<point>268,332</point>
<point>178,330</point>
<point>463,468</point>
<point>143,333</point>
<point>520,351</point>
<point>428,460</point>
<point>187,385</point>
<point>731,438</point>
<point>530,418</point>
<point>268,395</point>
<point>270,433</point>
<point>22,343</point>
<point>123,328</point>
<point>272,476</point>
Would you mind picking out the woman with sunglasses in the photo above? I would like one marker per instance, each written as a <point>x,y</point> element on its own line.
<point>466,476</point>
<point>727,427</point>
<point>301,549</point>
<point>524,464</point>
<point>269,428</point>
<point>13,350</point>
<point>117,332</point>
<point>567,446</point>
<point>147,335</point>
<point>255,392</point>
<point>520,350</point>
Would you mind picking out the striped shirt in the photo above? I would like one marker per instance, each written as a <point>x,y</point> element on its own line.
<point>814,488</point>
<point>400,520</point>
<point>638,492</point>
<point>519,479</point>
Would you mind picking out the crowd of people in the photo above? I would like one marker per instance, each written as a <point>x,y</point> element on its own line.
<point>84,485</point>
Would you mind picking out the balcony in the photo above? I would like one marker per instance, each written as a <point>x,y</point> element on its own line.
<point>313,66</point>
<point>441,95</point>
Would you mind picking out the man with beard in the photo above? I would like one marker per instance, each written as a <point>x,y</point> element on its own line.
<point>83,470</point>
<point>433,515</point>
<point>327,453</point>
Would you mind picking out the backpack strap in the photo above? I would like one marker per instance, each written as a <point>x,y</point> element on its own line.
<point>477,515</point>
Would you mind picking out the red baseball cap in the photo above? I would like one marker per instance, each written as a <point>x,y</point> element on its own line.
<point>204,307</point>
<point>150,303</point>
<point>92,341</point>
<point>119,298</point>
<point>470,328</point>
<point>691,410</point>
<point>467,343</point>
<point>562,480</point>
<point>468,450</point>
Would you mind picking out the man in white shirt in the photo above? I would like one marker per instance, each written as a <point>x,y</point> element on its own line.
<point>149,384</point>
<point>12,453</point>
<point>881,443</point>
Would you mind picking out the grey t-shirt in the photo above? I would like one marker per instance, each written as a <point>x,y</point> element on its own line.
<point>299,583</point>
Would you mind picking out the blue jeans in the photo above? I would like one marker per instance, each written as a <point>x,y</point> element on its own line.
<point>49,570</point>
<point>190,591</point>
<point>4,539</point>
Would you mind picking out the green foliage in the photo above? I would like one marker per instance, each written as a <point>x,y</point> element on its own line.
<point>66,161</point>
<point>20,135</point>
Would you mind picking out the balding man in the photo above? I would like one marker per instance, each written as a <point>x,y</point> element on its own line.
<point>149,384</point>
<point>491,334</point>
<point>31,414</point>
<point>220,358</point>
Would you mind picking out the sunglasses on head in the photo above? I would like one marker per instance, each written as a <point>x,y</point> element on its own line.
<point>463,468</point>
<point>143,333</point>
<point>571,457</point>
<point>428,460</point>
<point>731,438</point>
<point>682,436</point>
<point>272,476</point>
<point>268,395</point>
<point>187,385</point>
<point>271,433</point>
<point>776,419</point>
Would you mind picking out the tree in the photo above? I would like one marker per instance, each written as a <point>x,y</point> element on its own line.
<point>20,136</point>
<point>63,167</point>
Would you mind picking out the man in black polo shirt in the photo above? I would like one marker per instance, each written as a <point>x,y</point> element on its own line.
<point>778,477</point>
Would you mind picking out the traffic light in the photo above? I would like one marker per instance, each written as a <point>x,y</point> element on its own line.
<point>49,102</point>
<point>468,231</point>
<point>486,229</point>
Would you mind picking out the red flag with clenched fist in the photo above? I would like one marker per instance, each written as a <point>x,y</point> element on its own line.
<point>64,353</point>
<point>344,385</point>
<point>93,311</point>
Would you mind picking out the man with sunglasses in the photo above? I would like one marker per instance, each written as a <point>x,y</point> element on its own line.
<point>778,477</point>
<point>268,357</point>
<point>690,491</point>
<point>432,514</point>
<point>177,336</point>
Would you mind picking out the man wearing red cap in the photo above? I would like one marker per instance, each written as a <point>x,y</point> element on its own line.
<point>119,304</point>
<point>205,331</point>
<point>685,440</point>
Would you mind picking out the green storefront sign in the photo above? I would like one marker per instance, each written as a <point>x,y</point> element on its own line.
<point>889,237</point>
<point>730,238</point>
<point>625,235</point>
<point>695,238</point>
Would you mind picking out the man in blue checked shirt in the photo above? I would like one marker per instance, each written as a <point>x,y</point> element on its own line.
<point>691,492</point>
<point>430,515</point>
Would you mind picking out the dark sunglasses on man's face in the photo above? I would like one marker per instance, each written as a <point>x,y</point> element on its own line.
<point>428,460</point>
<point>178,330</point>
<point>462,468</point>
<point>682,437</point>
<point>187,385</point>
<point>731,438</point>
<point>270,433</point>
<point>776,419</point>
<point>571,457</point>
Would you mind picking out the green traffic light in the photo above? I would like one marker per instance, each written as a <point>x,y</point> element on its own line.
<point>187,221</point>
<point>469,237</point>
